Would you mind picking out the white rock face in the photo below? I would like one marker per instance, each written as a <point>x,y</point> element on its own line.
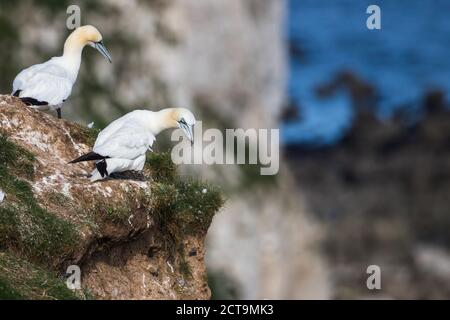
<point>266,242</point>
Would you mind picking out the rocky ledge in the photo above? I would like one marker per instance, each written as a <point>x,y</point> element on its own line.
<point>137,238</point>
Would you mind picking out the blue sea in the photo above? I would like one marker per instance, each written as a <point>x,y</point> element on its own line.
<point>407,57</point>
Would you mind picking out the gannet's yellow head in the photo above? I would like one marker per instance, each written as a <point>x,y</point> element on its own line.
<point>86,35</point>
<point>184,119</point>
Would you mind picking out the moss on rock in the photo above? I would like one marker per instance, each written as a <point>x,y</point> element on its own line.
<point>20,279</point>
<point>82,134</point>
<point>180,207</point>
<point>24,225</point>
<point>53,216</point>
<point>187,205</point>
<point>161,166</point>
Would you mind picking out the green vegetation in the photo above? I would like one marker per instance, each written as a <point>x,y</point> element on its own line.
<point>118,212</point>
<point>82,134</point>
<point>180,207</point>
<point>161,166</point>
<point>24,225</point>
<point>19,160</point>
<point>20,279</point>
<point>7,292</point>
<point>188,204</point>
<point>223,286</point>
<point>31,232</point>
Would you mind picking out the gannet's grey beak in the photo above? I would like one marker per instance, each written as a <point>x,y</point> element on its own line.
<point>191,134</point>
<point>102,49</point>
<point>188,130</point>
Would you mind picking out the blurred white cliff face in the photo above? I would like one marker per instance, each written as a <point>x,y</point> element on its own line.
<point>226,60</point>
<point>232,61</point>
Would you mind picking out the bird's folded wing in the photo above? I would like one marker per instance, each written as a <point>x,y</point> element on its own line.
<point>44,84</point>
<point>22,78</point>
<point>126,144</point>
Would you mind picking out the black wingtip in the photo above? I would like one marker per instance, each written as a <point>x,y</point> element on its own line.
<point>91,156</point>
<point>33,102</point>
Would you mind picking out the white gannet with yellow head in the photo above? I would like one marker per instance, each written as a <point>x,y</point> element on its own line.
<point>122,145</point>
<point>47,85</point>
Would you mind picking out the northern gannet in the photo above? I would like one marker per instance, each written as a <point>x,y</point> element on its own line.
<point>122,145</point>
<point>47,85</point>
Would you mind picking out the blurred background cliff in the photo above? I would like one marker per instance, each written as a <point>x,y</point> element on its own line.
<point>365,172</point>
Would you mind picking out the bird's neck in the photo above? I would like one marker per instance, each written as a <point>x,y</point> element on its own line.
<point>160,121</point>
<point>75,43</point>
<point>73,48</point>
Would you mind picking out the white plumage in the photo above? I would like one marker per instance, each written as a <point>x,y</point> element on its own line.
<point>47,85</point>
<point>123,144</point>
<point>126,137</point>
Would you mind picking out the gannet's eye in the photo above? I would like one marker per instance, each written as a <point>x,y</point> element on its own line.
<point>182,121</point>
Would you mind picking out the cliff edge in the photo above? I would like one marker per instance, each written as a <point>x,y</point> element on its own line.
<point>139,238</point>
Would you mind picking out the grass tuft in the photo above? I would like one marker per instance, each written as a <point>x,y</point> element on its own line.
<point>20,279</point>
<point>19,160</point>
<point>183,208</point>
<point>161,165</point>
<point>82,134</point>
<point>187,206</point>
<point>180,207</point>
<point>24,225</point>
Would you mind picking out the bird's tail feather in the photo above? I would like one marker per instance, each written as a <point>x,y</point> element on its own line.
<point>102,168</point>
<point>100,172</point>
<point>91,156</point>
<point>95,176</point>
<point>33,102</point>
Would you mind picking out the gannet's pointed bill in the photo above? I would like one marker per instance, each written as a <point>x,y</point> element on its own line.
<point>187,129</point>
<point>102,49</point>
<point>185,120</point>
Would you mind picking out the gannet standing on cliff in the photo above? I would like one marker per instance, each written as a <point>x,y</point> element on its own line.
<point>122,145</point>
<point>47,85</point>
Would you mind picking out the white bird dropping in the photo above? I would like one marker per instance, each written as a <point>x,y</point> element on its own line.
<point>47,85</point>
